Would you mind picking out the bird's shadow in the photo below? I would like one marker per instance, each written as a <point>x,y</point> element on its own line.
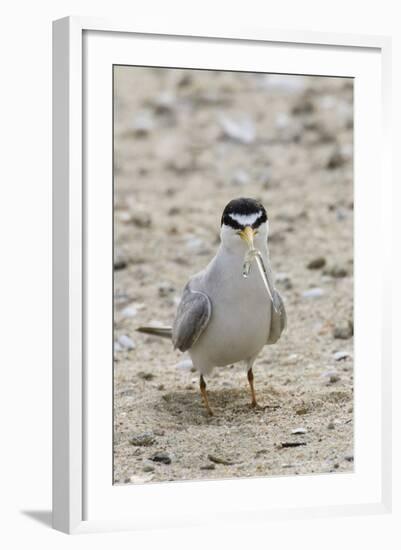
<point>41,516</point>
<point>227,404</point>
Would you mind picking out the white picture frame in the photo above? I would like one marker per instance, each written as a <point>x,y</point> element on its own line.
<point>79,484</point>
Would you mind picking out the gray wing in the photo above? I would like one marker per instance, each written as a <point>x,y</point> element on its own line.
<point>278,319</point>
<point>193,315</point>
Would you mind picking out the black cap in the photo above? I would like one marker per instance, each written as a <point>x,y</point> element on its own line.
<point>237,211</point>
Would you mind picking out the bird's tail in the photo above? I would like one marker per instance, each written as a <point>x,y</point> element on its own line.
<point>164,332</point>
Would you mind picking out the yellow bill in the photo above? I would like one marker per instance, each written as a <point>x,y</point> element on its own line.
<point>247,235</point>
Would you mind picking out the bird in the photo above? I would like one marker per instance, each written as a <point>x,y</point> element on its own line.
<point>227,315</point>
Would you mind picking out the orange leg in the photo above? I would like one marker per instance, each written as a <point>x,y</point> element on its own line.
<point>204,395</point>
<point>250,380</point>
<point>254,403</point>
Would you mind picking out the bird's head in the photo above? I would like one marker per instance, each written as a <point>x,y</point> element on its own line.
<point>244,224</point>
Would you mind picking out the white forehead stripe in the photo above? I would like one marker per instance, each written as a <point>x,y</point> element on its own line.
<point>246,219</point>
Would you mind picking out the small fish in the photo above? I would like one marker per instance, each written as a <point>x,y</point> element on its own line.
<point>254,254</point>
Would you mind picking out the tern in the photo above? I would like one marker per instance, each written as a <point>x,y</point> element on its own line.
<point>227,314</point>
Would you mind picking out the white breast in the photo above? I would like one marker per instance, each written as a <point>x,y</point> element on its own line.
<point>241,314</point>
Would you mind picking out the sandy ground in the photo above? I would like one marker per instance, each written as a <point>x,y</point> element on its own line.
<point>187,142</point>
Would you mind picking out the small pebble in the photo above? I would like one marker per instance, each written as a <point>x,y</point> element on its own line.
<point>174,211</point>
<point>240,177</point>
<point>336,272</point>
<point>208,467</point>
<point>139,479</point>
<point>303,107</point>
<point>291,359</point>
<point>328,373</point>
<point>123,216</point>
<point>219,460</point>
<point>146,375</point>
<point>349,458</point>
<point>341,355</point>
<point>241,130</point>
<point>290,444</point>
<point>148,468</point>
<point>282,121</point>
<point>313,293</point>
<point>125,343</point>
<point>117,348</point>
<point>181,164</point>
<point>298,431</point>
<point>141,219</point>
<point>120,260</point>
<point>261,452</point>
<point>335,161</point>
<point>341,214</point>
<point>143,124</point>
<point>343,332</point>
<point>165,289</point>
<point>163,458</point>
<point>185,80</point>
<point>121,297</point>
<point>129,311</point>
<point>284,84</point>
<point>145,439</point>
<point>302,410</point>
<point>330,426</point>
<point>317,263</point>
<point>194,243</point>
<point>164,103</point>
